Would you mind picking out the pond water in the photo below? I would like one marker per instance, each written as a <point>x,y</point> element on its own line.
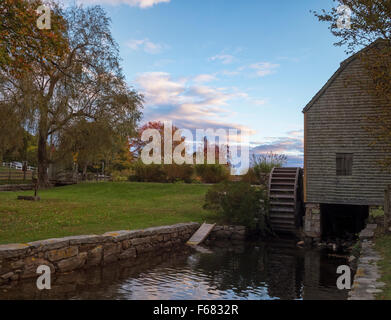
<point>264,271</point>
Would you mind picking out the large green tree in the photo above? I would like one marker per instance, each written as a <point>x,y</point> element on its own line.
<point>21,45</point>
<point>88,142</point>
<point>83,81</point>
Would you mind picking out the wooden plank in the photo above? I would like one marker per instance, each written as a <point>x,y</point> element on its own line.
<point>201,234</point>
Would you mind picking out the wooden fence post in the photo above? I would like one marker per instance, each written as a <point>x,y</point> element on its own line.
<point>387,207</point>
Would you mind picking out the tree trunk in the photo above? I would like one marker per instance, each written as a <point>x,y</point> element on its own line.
<point>43,178</point>
<point>85,172</point>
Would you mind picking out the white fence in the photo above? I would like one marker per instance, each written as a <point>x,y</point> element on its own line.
<point>17,166</point>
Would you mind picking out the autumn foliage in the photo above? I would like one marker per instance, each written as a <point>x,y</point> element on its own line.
<point>22,44</point>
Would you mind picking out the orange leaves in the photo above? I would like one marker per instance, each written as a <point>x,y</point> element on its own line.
<point>22,42</point>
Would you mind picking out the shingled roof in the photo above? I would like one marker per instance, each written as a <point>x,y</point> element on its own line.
<point>342,67</point>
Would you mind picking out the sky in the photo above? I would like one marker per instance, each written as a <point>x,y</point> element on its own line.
<point>248,64</point>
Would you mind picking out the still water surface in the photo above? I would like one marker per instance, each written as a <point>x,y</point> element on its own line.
<point>265,271</point>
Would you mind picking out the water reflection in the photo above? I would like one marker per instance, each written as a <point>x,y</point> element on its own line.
<point>276,270</point>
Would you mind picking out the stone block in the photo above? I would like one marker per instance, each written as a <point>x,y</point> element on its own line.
<point>110,259</point>
<point>13,250</point>
<point>371,227</point>
<point>366,234</point>
<point>7,275</point>
<point>126,244</point>
<point>49,244</point>
<point>94,256</point>
<point>73,263</point>
<point>138,241</point>
<point>88,239</point>
<point>31,265</point>
<point>128,254</point>
<point>64,253</point>
<point>111,249</point>
<point>119,235</point>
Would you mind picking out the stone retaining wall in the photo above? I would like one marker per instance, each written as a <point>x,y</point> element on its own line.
<point>20,261</point>
<point>228,233</point>
<point>366,284</point>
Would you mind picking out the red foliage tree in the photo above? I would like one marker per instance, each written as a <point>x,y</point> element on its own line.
<point>136,144</point>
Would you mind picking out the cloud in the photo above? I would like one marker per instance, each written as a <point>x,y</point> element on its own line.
<point>134,3</point>
<point>163,63</point>
<point>230,73</point>
<point>261,69</point>
<point>146,45</point>
<point>264,68</point>
<point>291,145</point>
<point>189,104</point>
<point>203,78</point>
<point>223,58</point>
<point>290,59</point>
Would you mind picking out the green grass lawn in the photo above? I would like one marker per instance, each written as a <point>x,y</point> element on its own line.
<point>95,208</point>
<point>383,246</point>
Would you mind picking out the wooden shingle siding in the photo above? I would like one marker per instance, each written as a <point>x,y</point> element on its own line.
<point>335,124</point>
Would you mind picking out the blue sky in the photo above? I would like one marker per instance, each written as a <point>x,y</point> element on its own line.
<point>251,64</point>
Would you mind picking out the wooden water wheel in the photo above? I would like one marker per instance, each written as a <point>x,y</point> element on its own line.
<point>286,199</point>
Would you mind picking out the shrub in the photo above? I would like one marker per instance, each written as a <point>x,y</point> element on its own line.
<point>148,173</point>
<point>162,173</point>
<point>261,167</point>
<point>239,203</point>
<point>212,173</point>
<point>175,173</point>
<point>263,164</point>
<point>119,176</point>
<point>251,177</point>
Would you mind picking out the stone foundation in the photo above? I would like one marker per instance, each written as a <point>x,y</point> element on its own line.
<point>312,221</point>
<point>20,261</point>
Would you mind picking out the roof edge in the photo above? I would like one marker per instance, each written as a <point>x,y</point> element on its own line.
<point>342,67</point>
